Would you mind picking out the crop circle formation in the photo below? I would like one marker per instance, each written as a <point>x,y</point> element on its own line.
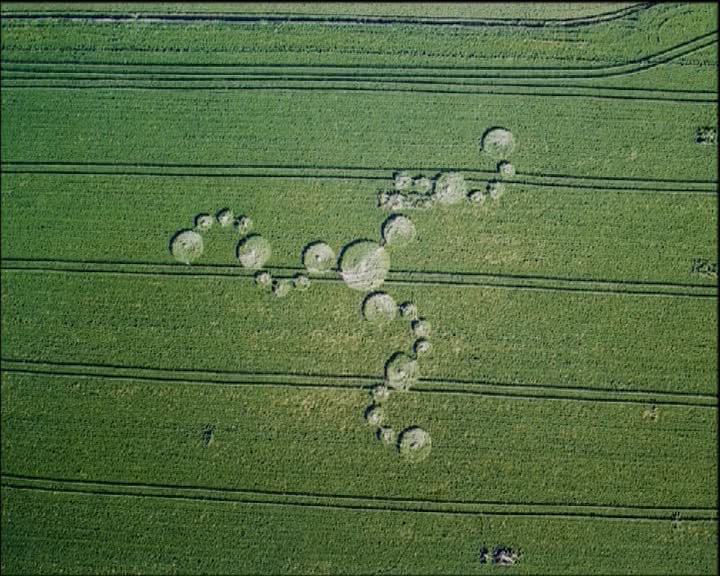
<point>281,288</point>
<point>224,217</point>
<point>364,265</point>
<point>398,231</point>
<point>414,444</point>
<point>401,371</point>
<point>379,308</point>
<point>301,282</point>
<point>318,257</point>
<point>498,143</point>
<point>243,224</point>
<point>450,188</point>
<point>187,246</point>
<point>253,252</point>
<point>374,415</point>
<point>203,222</point>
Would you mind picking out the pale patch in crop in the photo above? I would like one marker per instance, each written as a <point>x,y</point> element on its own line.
<point>421,328</point>
<point>505,169</point>
<point>186,246</point>
<point>414,444</point>
<point>450,188</point>
<point>281,288</point>
<point>398,231</point>
<point>497,142</point>
<point>379,307</point>
<point>318,257</point>
<point>401,371</point>
<point>408,310</point>
<point>203,222</point>
<point>224,217</point>
<point>374,415</point>
<point>364,265</point>
<point>421,346</point>
<point>385,434</point>
<point>243,225</point>
<point>301,282</point>
<point>253,251</point>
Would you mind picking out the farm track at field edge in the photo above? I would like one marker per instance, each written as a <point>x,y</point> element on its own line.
<point>200,377</point>
<point>419,277</point>
<point>359,503</point>
<point>329,18</point>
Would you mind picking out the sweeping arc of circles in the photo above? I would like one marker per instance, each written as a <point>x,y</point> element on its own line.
<point>364,265</point>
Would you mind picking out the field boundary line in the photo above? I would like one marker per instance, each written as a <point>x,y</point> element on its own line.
<point>359,503</point>
<point>356,383</point>
<point>415,278</point>
<point>327,18</point>
<point>533,181</point>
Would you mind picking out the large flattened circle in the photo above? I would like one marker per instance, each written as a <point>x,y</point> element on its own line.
<point>398,231</point>
<point>253,252</point>
<point>379,308</point>
<point>186,246</point>
<point>364,265</point>
<point>498,143</point>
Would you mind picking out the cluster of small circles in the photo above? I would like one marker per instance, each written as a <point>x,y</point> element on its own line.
<point>497,143</point>
<point>281,287</point>
<point>449,188</point>
<point>496,186</point>
<point>421,192</point>
<point>187,245</point>
<point>401,372</point>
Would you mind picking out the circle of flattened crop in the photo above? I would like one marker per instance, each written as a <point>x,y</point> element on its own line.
<point>450,188</point>
<point>385,434</point>
<point>203,222</point>
<point>318,257</point>
<point>253,251</point>
<point>401,371</point>
<point>186,246</point>
<point>414,444</point>
<point>403,181</point>
<point>263,280</point>
<point>379,393</point>
<point>364,265</point>
<point>477,196</point>
<point>301,282</point>
<point>281,288</point>
<point>421,328</point>
<point>421,346</point>
<point>243,224</point>
<point>495,189</point>
<point>398,231</point>
<point>224,217</point>
<point>505,169</point>
<point>379,307</point>
<point>422,184</point>
<point>498,143</point>
<point>408,310</point>
<point>374,415</point>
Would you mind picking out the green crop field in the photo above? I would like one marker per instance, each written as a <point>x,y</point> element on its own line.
<point>359,288</point>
